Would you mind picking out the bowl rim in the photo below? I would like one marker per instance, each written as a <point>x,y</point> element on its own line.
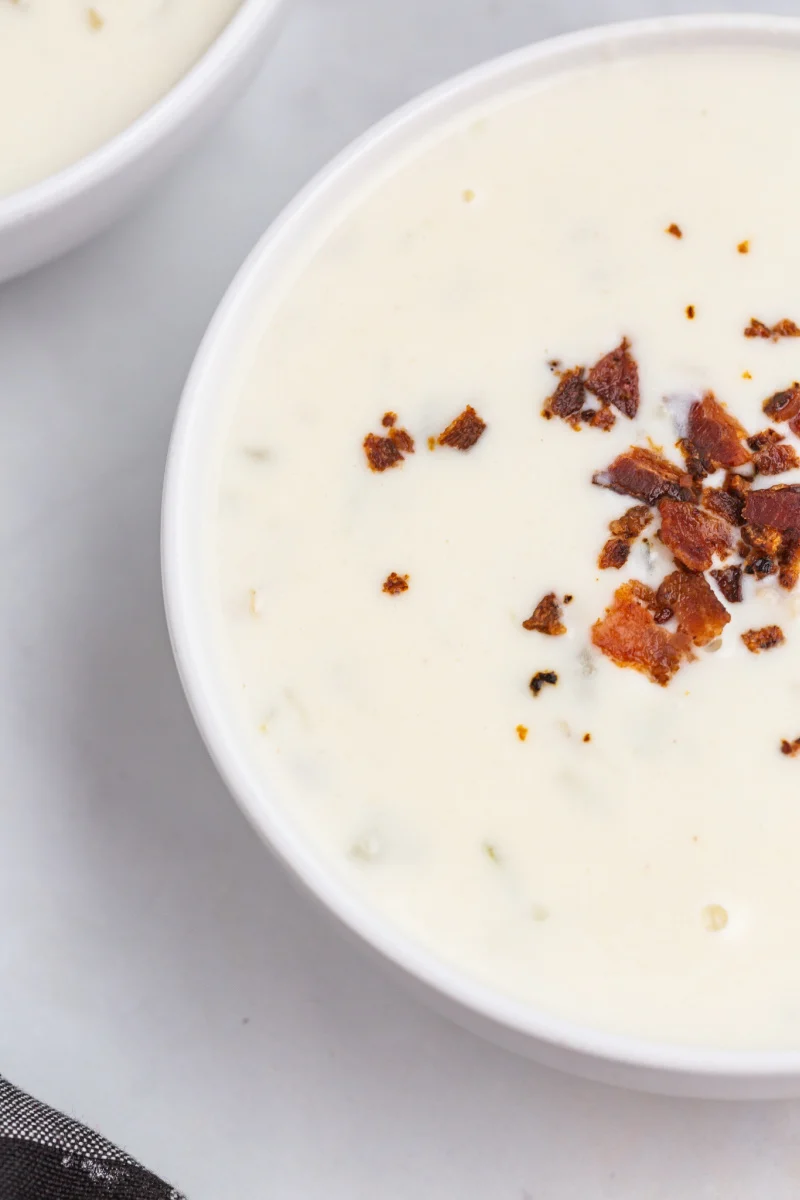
<point>193,657</point>
<point>248,24</point>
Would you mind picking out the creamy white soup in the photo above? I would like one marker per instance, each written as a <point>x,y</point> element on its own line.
<point>73,75</point>
<point>532,688</point>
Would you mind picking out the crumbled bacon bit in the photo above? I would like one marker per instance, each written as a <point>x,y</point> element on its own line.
<point>760,548</point>
<point>715,434</point>
<point>757,640</point>
<point>394,584</point>
<point>785,405</point>
<point>522,732</point>
<point>381,452</point>
<point>777,506</point>
<point>603,419</point>
<point>729,582</point>
<point>546,617</point>
<point>403,440</point>
<point>744,247</point>
<point>792,749</point>
<point>542,678</point>
<point>632,522</point>
<point>694,463</point>
<point>675,230</point>
<point>775,459</point>
<point>567,400</point>
<point>692,534</point>
<point>614,554</point>
<point>789,559</point>
<point>757,329</point>
<point>781,329</point>
<point>767,437</point>
<point>431,443</point>
<point>464,431</point>
<point>587,737</point>
<point>724,504</point>
<point>388,419</point>
<point>614,379</point>
<point>690,311</point>
<point>746,375</point>
<point>645,476</point>
<point>629,636</point>
<point>697,610</point>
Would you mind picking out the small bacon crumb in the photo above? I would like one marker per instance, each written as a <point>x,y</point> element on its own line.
<point>566,401</point>
<point>757,640</point>
<point>403,440</point>
<point>744,247</point>
<point>381,452</point>
<point>789,559</point>
<point>587,737</point>
<point>729,582</point>
<point>546,617</point>
<point>767,437</point>
<point>629,636</point>
<point>394,584</point>
<point>632,522</point>
<point>692,601</point>
<point>388,419</point>
<point>464,431</point>
<point>431,443</point>
<point>784,328</point>
<point>692,534</point>
<point>541,679</point>
<point>522,732</point>
<point>675,230</point>
<point>614,379</point>
<point>716,435</point>
<point>777,506</point>
<point>690,311</point>
<point>792,749</point>
<point>614,554</point>
<point>775,459</point>
<point>785,405</point>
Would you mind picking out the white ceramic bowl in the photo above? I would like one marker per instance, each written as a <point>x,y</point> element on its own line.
<point>48,218</point>
<point>667,1068</point>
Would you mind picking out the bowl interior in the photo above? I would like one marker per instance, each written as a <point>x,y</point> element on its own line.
<point>193,461</point>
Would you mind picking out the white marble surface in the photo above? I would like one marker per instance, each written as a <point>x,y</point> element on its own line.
<point>159,977</point>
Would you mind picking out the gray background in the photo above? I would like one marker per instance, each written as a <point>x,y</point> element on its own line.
<point>158,975</point>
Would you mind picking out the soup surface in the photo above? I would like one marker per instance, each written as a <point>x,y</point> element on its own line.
<point>583,794</point>
<point>73,75</point>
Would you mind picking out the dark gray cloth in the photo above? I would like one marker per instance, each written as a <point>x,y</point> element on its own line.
<point>47,1156</point>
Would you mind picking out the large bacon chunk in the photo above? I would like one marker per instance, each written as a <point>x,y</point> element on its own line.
<point>700,615</point>
<point>777,506</point>
<point>629,636</point>
<point>715,435</point>
<point>694,535</point>
<point>615,379</point>
<point>645,475</point>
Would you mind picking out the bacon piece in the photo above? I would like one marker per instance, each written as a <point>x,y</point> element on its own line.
<point>381,452</point>
<point>729,582</point>
<point>767,437</point>
<point>757,329</point>
<point>541,679</point>
<point>614,379</point>
<point>394,584</point>
<point>388,419</point>
<point>724,505</point>
<point>614,554</point>
<point>715,435</point>
<point>775,459</point>
<point>645,475</point>
<point>785,405</point>
<point>789,559</point>
<point>464,431</point>
<point>675,230</point>
<point>781,329</point>
<point>693,535</point>
<point>791,748</point>
<point>566,401</point>
<point>778,506</point>
<point>694,463</point>
<point>403,440</point>
<point>546,617</point>
<point>699,613</point>
<point>757,640</point>
<point>629,636</point>
<point>760,548</point>
<point>603,419</point>
<point>632,522</point>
